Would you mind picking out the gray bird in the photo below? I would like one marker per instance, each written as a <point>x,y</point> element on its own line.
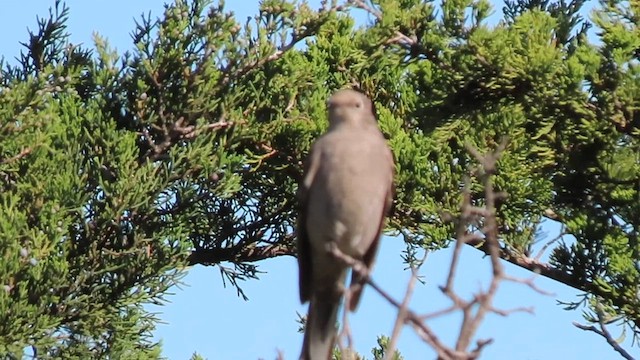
<point>344,196</point>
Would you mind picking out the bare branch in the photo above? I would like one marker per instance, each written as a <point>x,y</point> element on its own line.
<point>529,282</point>
<point>471,322</point>
<point>549,243</point>
<point>346,329</point>
<point>604,332</point>
<point>474,310</point>
<point>402,313</point>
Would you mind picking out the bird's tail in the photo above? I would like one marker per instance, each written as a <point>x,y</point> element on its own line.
<point>321,331</point>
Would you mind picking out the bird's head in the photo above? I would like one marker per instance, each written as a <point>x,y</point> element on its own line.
<point>350,107</point>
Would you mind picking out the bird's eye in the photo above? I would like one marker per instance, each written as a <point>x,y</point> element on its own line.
<point>358,104</point>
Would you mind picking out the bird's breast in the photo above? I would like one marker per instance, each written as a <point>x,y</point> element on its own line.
<point>348,194</point>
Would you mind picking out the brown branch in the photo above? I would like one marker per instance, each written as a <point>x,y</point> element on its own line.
<point>175,132</point>
<point>549,243</point>
<point>424,331</point>
<point>508,312</point>
<point>440,313</point>
<point>605,333</point>
<point>402,314</point>
<point>20,155</point>
<point>535,266</point>
<point>239,254</point>
<point>529,282</point>
<point>362,270</point>
<point>346,330</point>
<point>471,322</point>
<point>191,131</point>
<point>474,310</point>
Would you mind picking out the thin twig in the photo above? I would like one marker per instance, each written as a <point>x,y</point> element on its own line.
<point>473,310</point>
<point>363,271</point>
<point>604,332</point>
<point>471,322</point>
<point>549,243</point>
<point>607,335</point>
<point>346,329</point>
<point>402,313</point>
<point>529,282</point>
<point>20,155</point>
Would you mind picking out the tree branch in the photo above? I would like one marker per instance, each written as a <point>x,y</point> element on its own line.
<point>605,333</point>
<point>240,254</point>
<point>20,155</point>
<point>536,266</point>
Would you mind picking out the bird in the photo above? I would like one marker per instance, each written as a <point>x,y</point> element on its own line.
<point>344,196</point>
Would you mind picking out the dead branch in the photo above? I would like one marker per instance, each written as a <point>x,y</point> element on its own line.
<point>604,332</point>
<point>473,310</point>
<point>345,332</point>
<point>402,313</point>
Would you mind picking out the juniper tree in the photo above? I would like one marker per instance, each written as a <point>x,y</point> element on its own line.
<point>118,170</point>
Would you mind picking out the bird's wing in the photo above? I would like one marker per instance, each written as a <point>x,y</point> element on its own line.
<point>304,252</point>
<point>357,281</point>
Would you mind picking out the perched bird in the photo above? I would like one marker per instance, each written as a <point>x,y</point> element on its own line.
<point>344,196</point>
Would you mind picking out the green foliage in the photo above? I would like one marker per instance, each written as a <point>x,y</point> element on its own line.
<point>117,171</point>
<point>197,356</point>
<point>77,269</point>
<point>380,351</point>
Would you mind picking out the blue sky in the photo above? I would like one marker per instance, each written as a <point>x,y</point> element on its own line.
<point>206,317</point>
